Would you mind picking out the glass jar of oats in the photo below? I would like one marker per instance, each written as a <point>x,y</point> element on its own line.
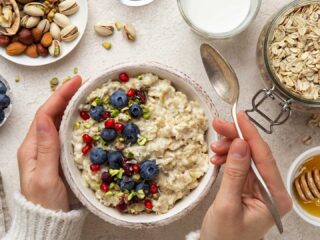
<point>288,57</point>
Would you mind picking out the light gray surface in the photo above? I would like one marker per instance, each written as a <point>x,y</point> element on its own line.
<point>162,37</point>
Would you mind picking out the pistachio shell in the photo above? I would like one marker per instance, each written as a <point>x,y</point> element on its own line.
<point>29,21</point>
<point>129,32</point>
<point>15,24</point>
<point>104,29</point>
<point>68,7</point>
<point>69,33</point>
<point>55,31</point>
<point>55,48</point>
<point>61,20</point>
<point>34,9</point>
<point>44,25</point>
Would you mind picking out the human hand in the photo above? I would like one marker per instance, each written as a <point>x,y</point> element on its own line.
<point>239,211</point>
<point>38,156</point>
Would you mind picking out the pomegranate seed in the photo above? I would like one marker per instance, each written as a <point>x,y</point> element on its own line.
<point>123,77</point>
<point>86,138</point>
<point>118,127</point>
<point>106,177</point>
<point>86,149</point>
<point>109,123</point>
<point>84,115</point>
<point>142,96</point>
<point>148,204</point>
<point>104,187</point>
<point>131,93</point>
<point>105,115</point>
<point>95,167</point>
<point>122,206</point>
<point>127,169</point>
<point>136,168</point>
<point>153,188</point>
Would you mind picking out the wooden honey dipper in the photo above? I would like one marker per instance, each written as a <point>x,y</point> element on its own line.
<point>307,184</point>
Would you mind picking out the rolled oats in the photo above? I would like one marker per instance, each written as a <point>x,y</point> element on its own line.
<point>294,51</point>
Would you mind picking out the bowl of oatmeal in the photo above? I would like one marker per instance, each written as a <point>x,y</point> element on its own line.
<point>135,145</point>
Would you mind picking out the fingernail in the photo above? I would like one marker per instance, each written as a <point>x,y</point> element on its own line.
<point>239,149</point>
<point>43,126</point>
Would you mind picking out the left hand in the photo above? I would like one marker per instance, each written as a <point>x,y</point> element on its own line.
<point>39,154</point>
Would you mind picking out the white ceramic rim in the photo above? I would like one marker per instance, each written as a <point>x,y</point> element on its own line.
<point>9,93</point>
<point>136,3</point>
<point>31,62</point>
<point>291,173</point>
<point>214,170</point>
<point>241,27</point>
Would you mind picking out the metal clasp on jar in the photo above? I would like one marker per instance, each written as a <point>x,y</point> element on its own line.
<point>260,97</point>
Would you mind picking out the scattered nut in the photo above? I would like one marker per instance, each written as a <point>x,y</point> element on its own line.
<point>17,79</point>
<point>107,45</point>
<point>54,82</point>
<point>32,51</point>
<point>307,140</point>
<point>46,40</point>
<point>129,32</point>
<point>118,25</point>
<point>104,29</point>
<point>75,70</point>
<point>15,48</point>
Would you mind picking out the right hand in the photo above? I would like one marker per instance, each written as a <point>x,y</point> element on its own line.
<point>239,211</point>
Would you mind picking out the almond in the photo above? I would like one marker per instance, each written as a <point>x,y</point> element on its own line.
<point>4,41</point>
<point>37,34</point>
<point>46,39</point>
<point>42,51</point>
<point>15,48</point>
<point>32,51</point>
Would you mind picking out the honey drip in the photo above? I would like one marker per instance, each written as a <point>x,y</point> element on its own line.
<point>307,186</point>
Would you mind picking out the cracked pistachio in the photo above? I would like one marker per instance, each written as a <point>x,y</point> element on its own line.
<point>104,29</point>
<point>55,48</point>
<point>129,32</point>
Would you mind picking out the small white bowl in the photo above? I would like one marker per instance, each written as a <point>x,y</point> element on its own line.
<point>79,19</point>
<point>136,3</point>
<point>290,178</point>
<point>73,176</point>
<point>8,110</point>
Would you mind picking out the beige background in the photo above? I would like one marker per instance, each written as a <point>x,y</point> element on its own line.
<point>162,37</point>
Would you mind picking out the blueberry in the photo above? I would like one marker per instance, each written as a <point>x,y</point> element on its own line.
<point>96,113</point>
<point>143,186</point>
<point>108,134</point>
<point>149,169</point>
<point>119,99</point>
<point>135,111</point>
<point>3,88</point>
<point>126,183</point>
<point>130,133</point>
<point>98,156</point>
<point>4,101</point>
<point>115,159</point>
<point>2,116</point>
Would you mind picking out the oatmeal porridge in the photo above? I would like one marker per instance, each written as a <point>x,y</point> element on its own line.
<point>140,144</point>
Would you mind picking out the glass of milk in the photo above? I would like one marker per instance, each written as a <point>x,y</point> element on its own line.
<point>219,18</point>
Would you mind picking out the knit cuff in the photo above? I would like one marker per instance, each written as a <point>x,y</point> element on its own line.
<point>193,235</point>
<point>33,222</point>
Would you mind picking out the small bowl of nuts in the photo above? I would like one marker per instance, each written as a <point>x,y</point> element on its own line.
<point>36,33</point>
<point>5,101</point>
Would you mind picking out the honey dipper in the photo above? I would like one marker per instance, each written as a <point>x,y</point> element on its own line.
<point>307,185</point>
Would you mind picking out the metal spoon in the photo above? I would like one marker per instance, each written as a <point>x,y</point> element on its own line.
<point>225,82</point>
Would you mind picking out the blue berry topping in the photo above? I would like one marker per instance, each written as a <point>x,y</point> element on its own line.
<point>135,111</point>
<point>108,134</point>
<point>119,99</point>
<point>126,183</point>
<point>4,101</point>
<point>149,170</point>
<point>98,156</point>
<point>115,159</point>
<point>143,186</point>
<point>3,88</point>
<point>130,133</point>
<point>96,113</point>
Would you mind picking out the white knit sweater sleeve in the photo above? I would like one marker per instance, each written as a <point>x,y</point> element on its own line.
<point>33,222</point>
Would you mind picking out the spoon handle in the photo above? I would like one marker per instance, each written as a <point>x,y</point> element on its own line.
<point>265,192</point>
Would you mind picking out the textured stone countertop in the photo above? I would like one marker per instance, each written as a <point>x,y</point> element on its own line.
<point>163,37</point>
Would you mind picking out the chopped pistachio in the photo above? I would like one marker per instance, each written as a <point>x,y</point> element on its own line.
<point>118,25</point>
<point>120,194</point>
<point>77,125</point>
<point>17,79</point>
<point>140,77</point>
<point>142,140</point>
<point>87,125</point>
<point>146,115</point>
<point>132,211</point>
<point>94,185</point>
<point>136,177</point>
<point>98,101</point>
<point>121,139</point>
<point>107,45</point>
<point>140,194</point>
<point>111,186</point>
<point>115,112</point>
<point>96,138</point>
<point>75,70</point>
<point>113,172</point>
<point>105,100</point>
<point>109,194</point>
<point>67,79</point>
<point>131,195</point>
<point>120,173</point>
<point>128,154</point>
<point>116,187</point>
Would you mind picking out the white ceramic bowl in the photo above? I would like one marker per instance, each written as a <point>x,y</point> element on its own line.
<point>73,176</point>
<point>136,3</point>
<point>79,19</point>
<point>290,178</point>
